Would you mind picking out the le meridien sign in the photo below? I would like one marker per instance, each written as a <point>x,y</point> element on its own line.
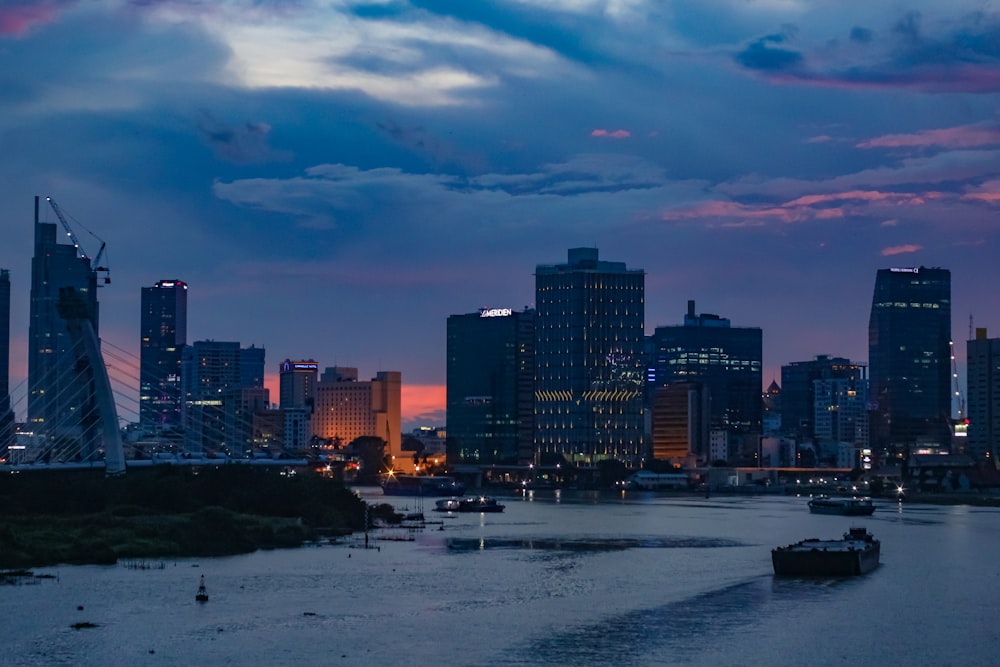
<point>496,312</point>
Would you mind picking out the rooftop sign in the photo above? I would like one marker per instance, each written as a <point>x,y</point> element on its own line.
<point>496,312</point>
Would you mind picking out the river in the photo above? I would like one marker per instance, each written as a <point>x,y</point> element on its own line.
<point>556,579</point>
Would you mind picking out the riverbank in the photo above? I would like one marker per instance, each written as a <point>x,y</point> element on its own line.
<point>80,517</point>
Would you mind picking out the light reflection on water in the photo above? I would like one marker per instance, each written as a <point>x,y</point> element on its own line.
<point>576,581</point>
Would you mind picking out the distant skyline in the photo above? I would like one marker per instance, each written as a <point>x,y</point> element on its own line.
<point>334,179</point>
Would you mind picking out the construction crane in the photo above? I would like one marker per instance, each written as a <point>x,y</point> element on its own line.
<point>102,272</point>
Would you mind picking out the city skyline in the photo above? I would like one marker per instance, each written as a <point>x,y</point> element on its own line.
<point>334,182</point>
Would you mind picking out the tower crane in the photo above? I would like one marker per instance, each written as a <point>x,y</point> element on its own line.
<point>101,271</point>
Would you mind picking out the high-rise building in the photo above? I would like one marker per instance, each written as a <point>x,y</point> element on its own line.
<point>163,325</point>
<point>589,360</point>
<point>983,397</point>
<point>680,423</point>
<point>727,361</point>
<point>346,409</point>
<point>840,414</point>
<point>490,386</point>
<point>909,356</point>
<point>6,415</point>
<point>798,395</point>
<point>61,406</point>
<point>217,413</point>
<point>297,386</point>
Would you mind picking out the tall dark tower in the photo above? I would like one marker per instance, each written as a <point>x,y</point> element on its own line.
<point>60,400</point>
<point>909,337</point>
<point>6,416</point>
<point>589,359</point>
<point>164,334</point>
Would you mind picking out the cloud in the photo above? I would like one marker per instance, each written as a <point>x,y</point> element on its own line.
<point>963,136</point>
<point>901,250</point>
<point>18,18</point>
<point>245,143</point>
<point>764,55</point>
<point>611,134</point>
<point>988,192</point>
<point>422,404</point>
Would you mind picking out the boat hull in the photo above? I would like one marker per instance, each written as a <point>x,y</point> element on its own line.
<point>858,553</point>
<point>842,506</point>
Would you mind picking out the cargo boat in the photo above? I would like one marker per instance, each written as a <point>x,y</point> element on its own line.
<point>857,553</point>
<point>469,504</point>
<point>421,485</point>
<point>842,506</point>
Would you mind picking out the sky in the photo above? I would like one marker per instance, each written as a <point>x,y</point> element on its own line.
<point>334,178</point>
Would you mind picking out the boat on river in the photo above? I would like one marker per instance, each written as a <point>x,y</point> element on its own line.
<point>422,485</point>
<point>469,504</point>
<point>854,506</point>
<point>855,554</point>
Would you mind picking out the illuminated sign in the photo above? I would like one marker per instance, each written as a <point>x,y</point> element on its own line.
<point>496,312</point>
<point>910,270</point>
<point>288,365</point>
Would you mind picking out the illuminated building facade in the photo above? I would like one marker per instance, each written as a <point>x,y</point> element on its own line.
<point>163,325</point>
<point>297,386</point>
<point>217,413</point>
<point>680,425</point>
<point>983,396</point>
<point>58,398</point>
<point>909,357</point>
<point>798,391</point>
<point>726,360</point>
<point>589,360</point>
<point>490,386</point>
<point>346,409</point>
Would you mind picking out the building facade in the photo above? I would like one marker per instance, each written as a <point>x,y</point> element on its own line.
<point>983,397</point>
<point>840,416</point>
<point>589,360</point>
<point>297,388</point>
<point>909,357</point>
<point>680,423</point>
<point>727,361</point>
<point>490,386</point>
<point>6,414</point>
<point>163,325</point>
<point>346,409</point>
<point>798,390</point>
<point>217,414</point>
<point>60,397</point>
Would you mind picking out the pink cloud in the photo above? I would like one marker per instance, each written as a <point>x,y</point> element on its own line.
<point>423,402</point>
<point>987,192</point>
<point>901,249</point>
<point>17,19</point>
<point>611,134</point>
<point>822,138</point>
<point>963,136</point>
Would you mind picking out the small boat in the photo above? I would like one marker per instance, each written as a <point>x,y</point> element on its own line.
<point>857,553</point>
<point>842,506</point>
<point>447,505</point>
<point>202,594</point>
<point>479,504</point>
<point>421,485</point>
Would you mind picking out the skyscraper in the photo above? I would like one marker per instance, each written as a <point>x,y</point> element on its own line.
<point>6,415</point>
<point>163,325</point>
<point>798,391</point>
<point>490,386</point>
<point>589,359</point>
<point>298,389</point>
<point>346,409</point>
<point>727,361</point>
<point>60,398</point>
<point>983,396</point>
<point>909,338</point>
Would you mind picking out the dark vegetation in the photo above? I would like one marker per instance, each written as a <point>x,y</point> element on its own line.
<point>81,517</point>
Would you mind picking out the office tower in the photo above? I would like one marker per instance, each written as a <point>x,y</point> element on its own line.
<point>909,357</point>
<point>297,387</point>
<point>983,396</point>
<point>346,409</point>
<point>727,361</point>
<point>217,414</point>
<point>798,396</point>
<point>680,423</point>
<point>163,325</point>
<point>589,360</point>
<point>6,414</point>
<point>490,386</point>
<point>61,392</point>
<point>840,416</point>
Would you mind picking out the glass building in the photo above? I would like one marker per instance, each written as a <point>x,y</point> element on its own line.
<point>723,358</point>
<point>61,400</point>
<point>909,356</point>
<point>490,387</point>
<point>589,360</point>
<point>798,391</point>
<point>163,325</point>
<point>983,395</point>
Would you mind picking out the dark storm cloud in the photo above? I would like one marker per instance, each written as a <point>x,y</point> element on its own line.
<point>243,143</point>
<point>763,55</point>
<point>861,35</point>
